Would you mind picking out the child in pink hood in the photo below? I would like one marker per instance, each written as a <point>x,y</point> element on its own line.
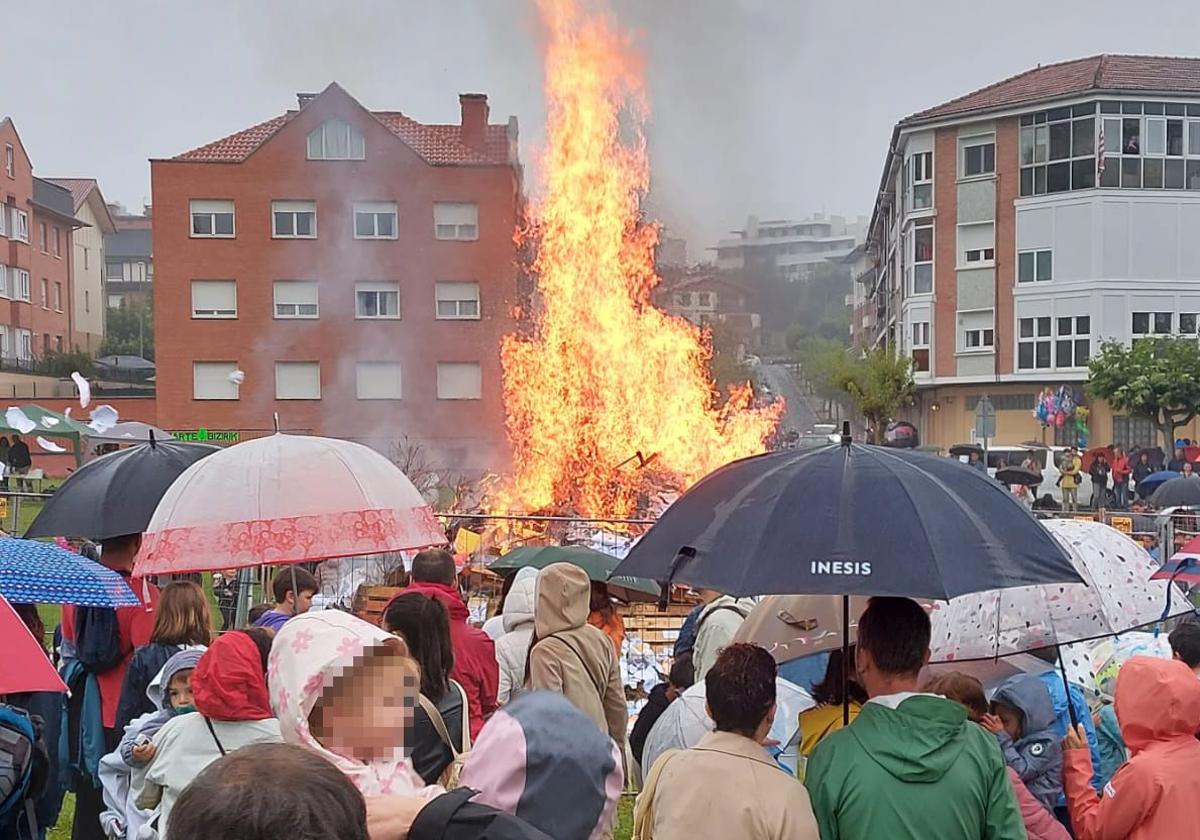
<point>346,690</point>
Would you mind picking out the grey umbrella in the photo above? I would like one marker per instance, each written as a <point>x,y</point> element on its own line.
<point>1178,492</point>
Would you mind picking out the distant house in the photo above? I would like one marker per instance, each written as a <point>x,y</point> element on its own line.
<point>87,268</point>
<point>128,259</point>
<point>712,297</point>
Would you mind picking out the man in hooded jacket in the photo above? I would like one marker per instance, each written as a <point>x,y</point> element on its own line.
<point>911,765</point>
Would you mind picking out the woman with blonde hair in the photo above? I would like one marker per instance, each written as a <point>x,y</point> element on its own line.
<point>182,620</point>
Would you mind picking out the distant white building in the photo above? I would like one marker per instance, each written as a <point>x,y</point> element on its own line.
<point>795,247</point>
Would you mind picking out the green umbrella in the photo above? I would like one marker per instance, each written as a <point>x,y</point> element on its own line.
<point>597,564</point>
<point>50,424</point>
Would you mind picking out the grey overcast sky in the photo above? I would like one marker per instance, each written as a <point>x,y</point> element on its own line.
<point>772,107</point>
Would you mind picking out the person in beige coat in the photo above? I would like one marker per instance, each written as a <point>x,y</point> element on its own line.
<point>728,785</point>
<point>570,656</point>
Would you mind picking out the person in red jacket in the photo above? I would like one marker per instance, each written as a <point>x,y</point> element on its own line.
<point>475,667</point>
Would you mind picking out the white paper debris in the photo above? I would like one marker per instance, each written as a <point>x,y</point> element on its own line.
<point>49,445</point>
<point>17,419</point>
<point>237,377</point>
<point>104,417</point>
<point>67,411</point>
<point>85,390</point>
<point>49,422</point>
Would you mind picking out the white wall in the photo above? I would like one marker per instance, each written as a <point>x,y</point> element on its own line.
<point>89,307</point>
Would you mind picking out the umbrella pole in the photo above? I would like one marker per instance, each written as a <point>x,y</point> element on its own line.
<point>845,660</point>
<point>1062,669</point>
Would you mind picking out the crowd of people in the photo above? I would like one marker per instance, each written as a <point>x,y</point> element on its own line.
<point>316,723</point>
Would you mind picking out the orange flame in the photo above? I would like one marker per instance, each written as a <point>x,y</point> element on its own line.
<point>605,381</point>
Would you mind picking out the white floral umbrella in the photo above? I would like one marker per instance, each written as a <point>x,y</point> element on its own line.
<point>1119,596</point>
<point>285,499</point>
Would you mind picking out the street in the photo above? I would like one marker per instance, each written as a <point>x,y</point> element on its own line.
<point>800,416</point>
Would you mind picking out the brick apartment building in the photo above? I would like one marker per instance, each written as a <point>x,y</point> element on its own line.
<point>1020,226</point>
<point>357,266</point>
<point>35,259</point>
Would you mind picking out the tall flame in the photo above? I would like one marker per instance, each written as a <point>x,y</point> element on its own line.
<point>604,381</point>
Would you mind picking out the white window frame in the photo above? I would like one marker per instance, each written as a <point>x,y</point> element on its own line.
<point>458,296</point>
<point>377,289</point>
<point>456,221</point>
<point>212,208</point>
<point>1195,319</point>
<point>57,292</point>
<point>217,375</point>
<point>295,313</point>
<point>287,392</point>
<point>20,225</point>
<point>1035,254</point>
<point>979,141</point>
<point>4,214</point>
<point>45,293</point>
<point>920,167</point>
<point>913,263</point>
<point>24,345</point>
<point>977,339</point>
<point>294,210</point>
<point>1074,338</point>
<point>376,209</point>
<point>318,141</point>
<point>446,369</point>
<point>9,160</point>
<point>920,335</point>
<point>21,285</point>
<point>983,256</point>
<point>5,342</point>
<point>1035,339</point>
<point>4,288</point>
<point>214,312</point>
<point>1151,329</point>
<point>384,366</point>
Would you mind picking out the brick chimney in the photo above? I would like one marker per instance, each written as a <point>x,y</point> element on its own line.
<point>304,98</point>
<point>474,119</point>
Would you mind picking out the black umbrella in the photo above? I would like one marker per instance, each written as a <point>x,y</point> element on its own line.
<point>117,493</point>
<point>1019,475</point>
<point>1177,492</point>
<point>961,449</point>
<point>849,520</point>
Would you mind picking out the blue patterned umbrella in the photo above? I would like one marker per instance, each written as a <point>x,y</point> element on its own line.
<point>34,572</point>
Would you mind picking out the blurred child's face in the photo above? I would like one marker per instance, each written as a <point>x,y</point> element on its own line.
<point>1011,718</point>
<point>179,689</point>
<point>367,714</point>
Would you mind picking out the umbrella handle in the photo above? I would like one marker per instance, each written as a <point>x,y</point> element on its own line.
<point>846,658</point>
<point>664,597</point>
<point>1183,564</point>
<point>1062,669</point>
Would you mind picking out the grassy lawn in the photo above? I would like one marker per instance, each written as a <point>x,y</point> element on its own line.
<point>624,828</point>
<point>62,831</point>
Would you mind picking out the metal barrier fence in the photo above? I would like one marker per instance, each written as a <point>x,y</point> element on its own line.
<point>1161,532</point>
<point>19,507</point>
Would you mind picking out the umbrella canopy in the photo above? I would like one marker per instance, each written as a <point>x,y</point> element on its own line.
<point>1184,565</point>
<point>1092,454</point>
<point>794,626</point>
<point>960,450</point>
<point>47,424</point>
<point>1108,655</point>
<point>132,431</point>
<point>598,565</point>
<point>1019,475</point>
<point>126,362</point>
<point>849,520</point>
<point>1118,596</point>
<point>285,499</point>
<point>25,665</point>
<point>1152,482</point>
<point>116,494</point>
<point>1155,456</point>
<point>992,672</point>
<point>33,572</point>
<point>1178,492</point>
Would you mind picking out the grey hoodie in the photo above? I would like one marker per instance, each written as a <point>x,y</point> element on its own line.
<point>1037,755</point>
<point>157,692</point>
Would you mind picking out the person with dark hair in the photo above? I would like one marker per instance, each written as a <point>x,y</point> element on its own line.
<point>19,459</point>
<point>1185,644</point>
<point>475,667</point>
<point>1051,677</point>
<point>293,589</point>
<point>680,678</point>
<point>306,797</point>
<point>729,765</point>
<point>828,715</point>
<point>425,626</point>
<point>911,764</point>
<point>257,612</point>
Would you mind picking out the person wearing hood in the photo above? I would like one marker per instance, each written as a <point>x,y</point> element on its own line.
<point>346,690</point>
<point>911,764</point>
<point>1112,746</point>
<point>229,691</point>
<point>543,760</point>
<point>569,656</point>
<point>512,648</point>
<point>475,667</point>
<point>716,626</point>
<point>1156,794</point>
<point>1023,721</point>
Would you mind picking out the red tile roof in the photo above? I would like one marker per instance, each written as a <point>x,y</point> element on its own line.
<point>79,187</point>
<point>1098,73</point>
<point>438,145</point>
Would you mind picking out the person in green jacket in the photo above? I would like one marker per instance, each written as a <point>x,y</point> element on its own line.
<point>910,766</point>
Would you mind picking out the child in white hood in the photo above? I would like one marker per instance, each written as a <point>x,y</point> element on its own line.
<point>347,690</point>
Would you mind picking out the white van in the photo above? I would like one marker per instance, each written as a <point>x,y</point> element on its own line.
<point>1048,458</point>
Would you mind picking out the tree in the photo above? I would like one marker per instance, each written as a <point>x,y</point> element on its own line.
<point>879,384</point>
<point>1155,378</point>
<point>726,367</point>
<point>129,330</point>
<point>821,363</point>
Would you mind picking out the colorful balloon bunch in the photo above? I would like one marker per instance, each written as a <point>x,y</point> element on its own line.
<point>1060,409</point>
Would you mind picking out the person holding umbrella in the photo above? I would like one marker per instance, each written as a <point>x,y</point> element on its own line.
<point>1142,467</point>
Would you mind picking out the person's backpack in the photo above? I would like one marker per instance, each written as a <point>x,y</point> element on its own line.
<point>97,639</point>
<point>24,766</point>
<point>453,772</point>
<point>453,816</point>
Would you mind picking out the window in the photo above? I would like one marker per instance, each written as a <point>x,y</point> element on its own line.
<point>1152,323</point>
<point>977,330</point>
<point>976,243</point>
<point>704,298</point>
<point>1073,345</point>
<point>1033,343</point>
<point>979,159</point>
<point>459,381</point>
<point>214,299</point>
<point>4,291</point>
<point>58,344</point>
<point>114,271</point>
<point>8,160</point>
<point>981,255</point>
<point>1057,150</point>
<point>1187,323</point>
<point>87,300</point>
<point>212,218</point>
<point>376,300</point>
<point>85,259</point>
<point>5,343</point>
<point>456,221</point>
<point>457,301</point>
<point>45,343</point>
<point>921,282</point>
<point>42,240</point>
<point>374,220</point>
<point>214,381</point>
<point>378,380</point>
<point>45,293</point>
<point>921,169</point>
<point>1034,266</point>
<point>336,140</point>
<point>296,299</point>
<point>20,225</point>
<point>25,345</point>
<point>21,284</point>
<point>3,219</point>
<point>683,299</point>
<point>297,380</point>
<point>1133,432</point>
<point>294,219</point>
<point>920,346</point>
<point>58,296</point>
<point>57,241</point>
